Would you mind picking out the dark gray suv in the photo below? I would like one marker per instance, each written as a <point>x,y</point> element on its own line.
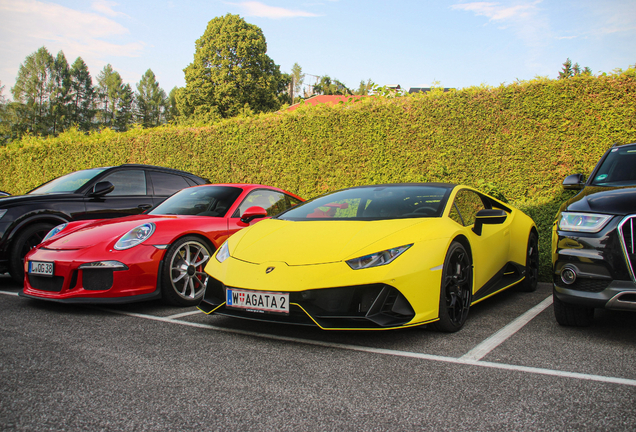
<point>96,193</point>
<point>594,241</point>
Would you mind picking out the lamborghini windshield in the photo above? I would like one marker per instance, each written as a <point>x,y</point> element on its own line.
<point>618,168</point>
<point>374,203</point>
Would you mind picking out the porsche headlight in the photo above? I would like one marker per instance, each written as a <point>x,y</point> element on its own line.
<point>223,253</point>
<point>378,258</point>
<point>583,222</point>
<point>135,236</point>
<point>54,231</point>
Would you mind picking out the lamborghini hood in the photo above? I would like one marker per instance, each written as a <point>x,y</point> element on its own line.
<point>321,242</point>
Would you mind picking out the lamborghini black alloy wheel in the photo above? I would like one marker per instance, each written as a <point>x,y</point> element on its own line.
<point>456,289</point>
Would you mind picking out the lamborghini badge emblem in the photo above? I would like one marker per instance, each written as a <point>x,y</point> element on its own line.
<point>269,269</point>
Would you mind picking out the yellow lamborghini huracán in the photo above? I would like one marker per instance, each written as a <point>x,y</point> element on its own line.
<point>375,257</point>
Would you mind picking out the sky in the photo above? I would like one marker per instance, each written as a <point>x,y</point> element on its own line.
<point>413,43</point>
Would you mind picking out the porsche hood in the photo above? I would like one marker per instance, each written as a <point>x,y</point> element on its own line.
<point>96,232</point>
<point>319,242</point>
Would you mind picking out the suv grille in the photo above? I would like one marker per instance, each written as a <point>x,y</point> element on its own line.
<point>627,230</point>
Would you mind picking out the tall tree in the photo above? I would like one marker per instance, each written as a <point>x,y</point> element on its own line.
<point>365,88</point>
<point>151,101</point>
<point>115,99</point>
<point>61,80</point>
<point>108,86</point>
<point>5,126</point>
<point>81,96</point>
<point>298,77</point>
<point>326,86</point>
<point>172,112</point>
<point>33,89</point>
<point>570,70</point>
<point>124,107</point>
<point>285,91</point>
<point>231,70</point>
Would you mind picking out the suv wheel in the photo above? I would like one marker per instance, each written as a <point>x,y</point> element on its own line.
<point>26,240</point>
<point>572,315</point>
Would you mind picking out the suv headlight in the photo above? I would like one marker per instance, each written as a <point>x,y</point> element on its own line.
<point>583,222</point>
<point>378,258</point>
<point>135,236</point>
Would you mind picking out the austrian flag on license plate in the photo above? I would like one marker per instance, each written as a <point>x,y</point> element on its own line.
<point>257,301</point>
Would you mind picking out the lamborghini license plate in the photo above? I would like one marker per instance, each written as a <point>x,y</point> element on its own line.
<point>257,301</point>
<point>41,268</point>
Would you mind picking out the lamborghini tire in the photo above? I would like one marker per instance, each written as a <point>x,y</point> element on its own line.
<point>456,289</point>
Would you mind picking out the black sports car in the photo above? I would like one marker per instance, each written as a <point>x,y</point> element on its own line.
<point>96,193</point>
<point>594,241</point>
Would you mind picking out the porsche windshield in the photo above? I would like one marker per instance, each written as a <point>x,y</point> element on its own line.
<point>68,183</point>
<point>211,201</point>
<point>618,168</point>
<point>374,203</point>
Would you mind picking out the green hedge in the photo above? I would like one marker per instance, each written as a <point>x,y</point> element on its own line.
<point>519,140</point>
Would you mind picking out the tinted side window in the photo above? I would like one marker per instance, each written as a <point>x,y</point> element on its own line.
<point>273,202</point>
<point>130,182</point>
<point>465,206</point>
<point>166,184</point>
<point>291,201</point>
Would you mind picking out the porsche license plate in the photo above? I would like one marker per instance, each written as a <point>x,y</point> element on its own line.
<point>41,268</point>
<point>257,301</point>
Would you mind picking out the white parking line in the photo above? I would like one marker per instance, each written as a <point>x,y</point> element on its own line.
<point>482,350</point>
<point>11,293</point>
<point>184,314</point>
<point>502,366</point>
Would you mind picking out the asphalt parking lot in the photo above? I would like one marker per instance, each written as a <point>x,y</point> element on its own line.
<point>148,366</point>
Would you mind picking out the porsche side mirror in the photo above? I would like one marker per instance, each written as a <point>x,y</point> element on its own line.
<point>574,181</point>
<point>252,213</point>
<point>102,188</point>
<point>488,217</point>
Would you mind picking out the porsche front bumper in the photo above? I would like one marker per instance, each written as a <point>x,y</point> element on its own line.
<point>75,282</point>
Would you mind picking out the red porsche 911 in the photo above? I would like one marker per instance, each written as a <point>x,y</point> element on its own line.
<point>160,254</point>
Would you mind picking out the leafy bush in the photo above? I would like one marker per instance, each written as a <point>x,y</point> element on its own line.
<point>518,140</point>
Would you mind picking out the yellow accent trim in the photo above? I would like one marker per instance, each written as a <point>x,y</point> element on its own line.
<point>492,294</point>
<point>365,329</point>
<point>344,328</point>
<point>212,311</point>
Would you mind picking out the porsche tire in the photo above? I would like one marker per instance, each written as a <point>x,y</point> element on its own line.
<point>529,283</point>
<point>26,240</point>
<point>456,289</point>
<point>183,279</point>
<point>572,315</point>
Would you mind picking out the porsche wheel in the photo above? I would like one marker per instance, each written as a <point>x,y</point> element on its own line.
<point>183,281</point>
<point>529,284</point>
<point>456,289</point>
<point>26,240</point>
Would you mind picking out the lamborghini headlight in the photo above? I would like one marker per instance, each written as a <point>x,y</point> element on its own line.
<point>583,222</point>
<point>54,231</point>
<point>223,253</point>
<point>378,258</point>
<point>135,236</point>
